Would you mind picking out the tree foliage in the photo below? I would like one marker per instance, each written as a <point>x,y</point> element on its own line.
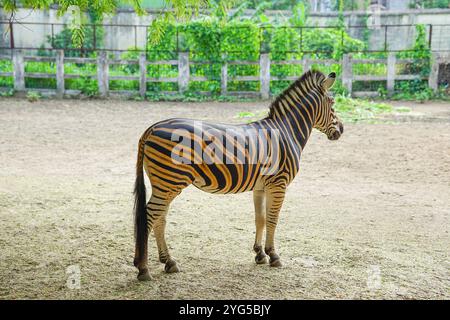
<point>175,10</point>
<point>100,6</point>
<point>236,37</point>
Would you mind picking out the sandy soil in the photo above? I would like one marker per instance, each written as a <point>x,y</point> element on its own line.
<point>368,217</point>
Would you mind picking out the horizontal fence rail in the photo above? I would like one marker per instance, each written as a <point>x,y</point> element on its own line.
<point>184,77</point>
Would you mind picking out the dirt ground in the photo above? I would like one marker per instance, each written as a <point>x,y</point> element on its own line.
<point>368,216</point>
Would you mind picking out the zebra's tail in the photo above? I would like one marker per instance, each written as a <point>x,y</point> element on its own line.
<point>140,212</point>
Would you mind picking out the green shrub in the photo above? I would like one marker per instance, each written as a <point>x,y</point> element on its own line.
<point>6,66</point>
<point>212,40</point>
<point>88,86</point>
<point>33,96</point>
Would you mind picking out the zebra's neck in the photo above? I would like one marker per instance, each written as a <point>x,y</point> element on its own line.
<point>293,113</point>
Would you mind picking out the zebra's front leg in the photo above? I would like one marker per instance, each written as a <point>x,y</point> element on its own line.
<point>260,222</point>
<point>274,201</point>
<point>158,213</point>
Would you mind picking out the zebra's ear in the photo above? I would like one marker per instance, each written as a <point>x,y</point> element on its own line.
<point>329,81</point>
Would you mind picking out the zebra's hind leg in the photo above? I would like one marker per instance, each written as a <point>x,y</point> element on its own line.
<point>274,201</point>
<point>260,222</point>
<point>158,208</point>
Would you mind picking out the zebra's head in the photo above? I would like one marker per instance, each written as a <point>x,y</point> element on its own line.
<point>327,121</point>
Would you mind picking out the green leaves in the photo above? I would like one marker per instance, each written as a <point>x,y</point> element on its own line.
<point>421,53</point>
<point>158,28</point>
<point>298,18</point>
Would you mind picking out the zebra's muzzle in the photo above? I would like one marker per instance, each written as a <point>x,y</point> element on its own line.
<point>336,134</point>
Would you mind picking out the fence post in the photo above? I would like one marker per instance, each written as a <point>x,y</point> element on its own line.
<point>142,74</point>
<point>224,77</point>
<point>264,75</point>
<point>306,63</point>
<point>60,73</point>
<point>347,72</point>
<point>391,60</point>
<point>18,70</point>
<point>434,72</point>
<point>102,74</point>
<point>183,71</point>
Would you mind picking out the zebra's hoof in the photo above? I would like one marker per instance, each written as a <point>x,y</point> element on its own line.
<point>144,275</point>
<point>261,259</point>
<point>171,267</point>
<point>276,263</point>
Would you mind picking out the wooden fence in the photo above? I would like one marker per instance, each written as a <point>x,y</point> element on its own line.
<point>184,77</point>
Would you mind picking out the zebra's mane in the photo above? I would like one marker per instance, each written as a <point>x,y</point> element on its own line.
<point>314,79</point>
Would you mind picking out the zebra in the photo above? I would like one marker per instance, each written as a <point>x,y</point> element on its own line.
<point>172,154</point>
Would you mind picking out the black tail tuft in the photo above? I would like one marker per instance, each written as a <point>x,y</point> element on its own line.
<point>140,206</point>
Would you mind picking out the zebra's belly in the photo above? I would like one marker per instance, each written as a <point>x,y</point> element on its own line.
<point>227,178</point>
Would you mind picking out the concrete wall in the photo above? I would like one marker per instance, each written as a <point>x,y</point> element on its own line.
<point>398,37</point>
<point>330,5</point>
<point>122,37</point>
<point>30,35</point>
<point>398,4</point>
<point>126,34</point>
